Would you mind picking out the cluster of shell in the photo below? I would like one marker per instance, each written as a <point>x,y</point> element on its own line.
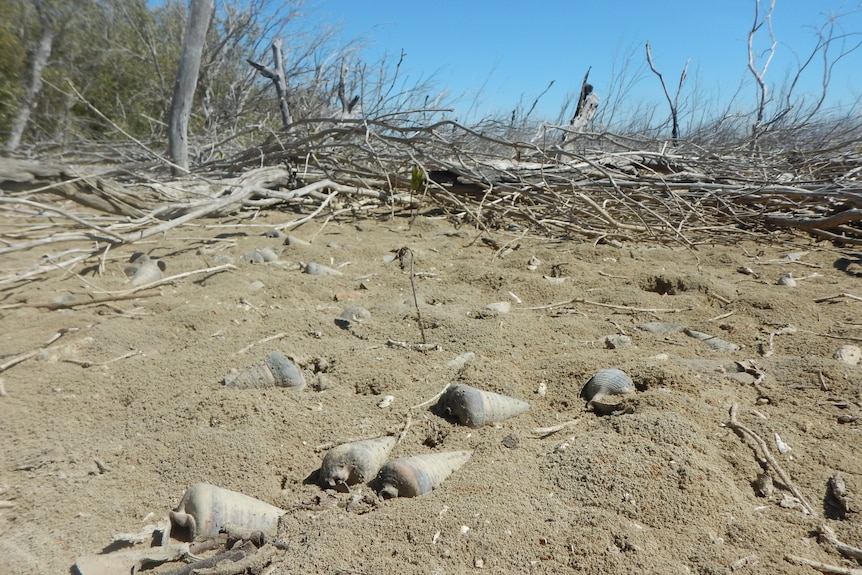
<point>366,462</point>
<point>205,509</point>
<point>360,461</point>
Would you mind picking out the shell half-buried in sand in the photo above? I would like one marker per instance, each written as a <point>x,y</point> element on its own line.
<point>205,510</point>
<point>274,371</point>
<point>474,408</point>
<point>417,475</point>
<point>607,382</point>
<point>355,462</point>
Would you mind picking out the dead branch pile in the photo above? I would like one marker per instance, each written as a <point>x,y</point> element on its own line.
<point>595,186</point>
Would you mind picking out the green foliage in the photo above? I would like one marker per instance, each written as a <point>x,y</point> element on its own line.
<point>416,178</point>
<point>12,63</point>
<point>113,66</point>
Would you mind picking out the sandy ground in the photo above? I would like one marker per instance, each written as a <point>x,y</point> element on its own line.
<point>660,485</point>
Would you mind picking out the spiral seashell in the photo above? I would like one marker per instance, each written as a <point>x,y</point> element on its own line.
<point>274,371</point>
<point>474,408</point>
<point>607,382</point>
<point>417,475</point>
<point>205,509</point>
<point>355,462</point>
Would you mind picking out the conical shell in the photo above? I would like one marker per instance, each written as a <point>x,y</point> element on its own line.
<point>274,371</point>
<point>607,382</point>
<point>355,462</point>
<point>417,475</point>
<point>205,509</point>
<point>475,408</point>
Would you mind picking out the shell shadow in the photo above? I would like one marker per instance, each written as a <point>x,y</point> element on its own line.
<point>844,265</point>
<point>313,478</point>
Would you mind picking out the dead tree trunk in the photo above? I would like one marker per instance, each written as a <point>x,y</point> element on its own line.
<point>277,77</point>
<point>200,14</point>
<point>588,104</point>
<point>40,60</point>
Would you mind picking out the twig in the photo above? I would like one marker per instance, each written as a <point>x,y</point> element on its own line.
<point>847,550</point>
<point>415,298</point>
<point>27,355</point>
<point>722,316</point>
<point>822,567</point>
<point>230,555</point>
<point>264,340</point>
<point>407,422</point>
<point>433,399</point>
<point>607,305</point>
<point>52,305</point>
<point>423,347</point>
<point>172,279</point>
<point>65,214</point>
<point>785,478</point>
<point>86,364</point>
<point>542,432</point>
<point>836,297</point>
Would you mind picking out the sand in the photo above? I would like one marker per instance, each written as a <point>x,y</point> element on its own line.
<point>104,428</point>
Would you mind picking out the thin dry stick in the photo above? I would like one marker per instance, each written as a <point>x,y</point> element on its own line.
<point>611,306</point>
<point>785,478</point>
<point>435,398</point>
<point>65,214</point>
<point>172,278</point>
<point>51,305</point>
<point>847,550</point>
<point>264,340</point>
<point>822,567</point>
<point>27,355</point>
<point>836,297</point>
<point>416,299</point>
<point>542,432</point>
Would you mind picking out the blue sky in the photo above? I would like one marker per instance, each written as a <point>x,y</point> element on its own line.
<point>494,55</point>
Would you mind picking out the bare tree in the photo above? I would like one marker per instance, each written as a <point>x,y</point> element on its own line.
<point>276,74</point>
<point>40,60</point>
<point>672,102</point>
<point>198,23</point>
<point>762,86</point>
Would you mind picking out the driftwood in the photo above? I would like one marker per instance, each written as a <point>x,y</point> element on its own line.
<point>614,189</point>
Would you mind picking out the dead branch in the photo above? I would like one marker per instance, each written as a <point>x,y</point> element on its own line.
<point>767,455</point>
<point>822,567</point>
<point>96,300</point>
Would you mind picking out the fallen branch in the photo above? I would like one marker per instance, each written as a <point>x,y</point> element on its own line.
<point>27,355</point>
<point>767,455</point>
<point>822,567</point>
<point>172,278</point>
<point>607,305</point>
<point>55,305</point>
<point>846,550</point>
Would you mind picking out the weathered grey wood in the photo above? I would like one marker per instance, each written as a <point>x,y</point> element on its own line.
<point>200,14</point>
<point>588,103</point>
<point>40,60</point>
<point>278,79</point>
